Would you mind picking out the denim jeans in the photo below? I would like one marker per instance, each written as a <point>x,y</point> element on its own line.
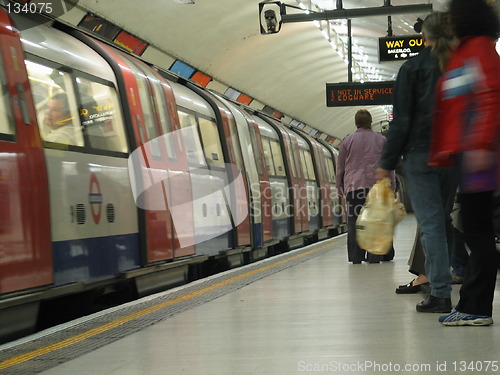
<point>432,192</point>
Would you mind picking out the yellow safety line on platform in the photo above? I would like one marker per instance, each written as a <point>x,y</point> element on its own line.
<point>115,323</point>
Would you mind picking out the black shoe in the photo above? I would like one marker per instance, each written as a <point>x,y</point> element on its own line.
<point>434,305</point>
<point>410,288</point>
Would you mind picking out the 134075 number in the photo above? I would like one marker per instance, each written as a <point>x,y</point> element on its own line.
<point>30,8</point>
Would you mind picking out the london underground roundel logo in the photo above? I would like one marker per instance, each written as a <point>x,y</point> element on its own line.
<point>95,198</point>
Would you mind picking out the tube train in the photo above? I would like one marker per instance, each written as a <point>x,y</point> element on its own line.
<point>155,181</point>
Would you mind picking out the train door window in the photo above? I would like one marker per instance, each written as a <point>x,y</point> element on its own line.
<point>305,166</point>
<point>268,156</point>
<point>236,144</point>
<point>7,126</point>
<point>288,145</point>
<point>191,138</point>
<point>309,164</point>
<point>160,107</point>
<point>296,161</point>
<point>100,116</point>
<point>211,141</point>
<point>146,105</point>
<point>331,169</point>
<point>321,168</point>
<point>279,166</point>
<point>255,146</point>
<point>55,104</point>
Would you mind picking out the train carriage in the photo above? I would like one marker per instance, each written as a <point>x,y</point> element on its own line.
<point>141,180</point>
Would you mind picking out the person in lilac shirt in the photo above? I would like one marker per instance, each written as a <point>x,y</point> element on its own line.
<point>358,159</point>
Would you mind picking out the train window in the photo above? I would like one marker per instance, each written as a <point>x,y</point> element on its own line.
<point>320,166</point>
<point>295,157</point>
<point>100,116</point>
<point>255,146</point>
<point>279,166</point>
<point>191,138</point>
<point>160,107</point>
<point>211,141</point>
<point>236,144</point>
<point>145,100</point>
<point>309,164</point>
<point>7,128</point>
<point>331,169</point>
<point>293,164</point>
<point>153,104</point>
<point>303,162</point>
<point>268,156</point>
<point>55,104</point>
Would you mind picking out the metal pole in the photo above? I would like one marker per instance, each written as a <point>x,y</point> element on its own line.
<point>356,13</point>
<point>349,51</point>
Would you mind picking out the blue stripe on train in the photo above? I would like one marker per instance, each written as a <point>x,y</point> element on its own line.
<point>93,259</point>
<point>282,228</point>
<point>257,235</point>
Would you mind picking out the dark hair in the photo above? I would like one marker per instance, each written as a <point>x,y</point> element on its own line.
<point>437,29</point>
<point>474,18</point>
<point>363,119</point>
<point>63,99</point>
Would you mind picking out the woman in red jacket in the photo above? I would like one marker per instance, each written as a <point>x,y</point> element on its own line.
<point>467,131</point>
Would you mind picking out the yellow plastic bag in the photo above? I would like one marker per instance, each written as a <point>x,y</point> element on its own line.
<point>378,218</point>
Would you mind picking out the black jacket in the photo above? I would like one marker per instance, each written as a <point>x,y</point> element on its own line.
<point>413,101</point>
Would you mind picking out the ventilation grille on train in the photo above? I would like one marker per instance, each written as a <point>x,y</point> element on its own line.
<point>80,213</point>
<point>110,212</point>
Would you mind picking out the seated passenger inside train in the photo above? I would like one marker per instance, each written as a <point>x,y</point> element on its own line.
<point>59,121</point>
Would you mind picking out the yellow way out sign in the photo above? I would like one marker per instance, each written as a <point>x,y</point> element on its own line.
<point>399,47</point>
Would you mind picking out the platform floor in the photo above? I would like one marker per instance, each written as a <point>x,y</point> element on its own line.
<point>321,315</point>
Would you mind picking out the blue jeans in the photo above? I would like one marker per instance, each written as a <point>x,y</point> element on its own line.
<point>432,192</point>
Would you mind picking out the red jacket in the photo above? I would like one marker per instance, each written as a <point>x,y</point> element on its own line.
<point>467,111</point>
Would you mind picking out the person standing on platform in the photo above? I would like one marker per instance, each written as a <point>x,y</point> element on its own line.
<point>467,133</point>
<point>358,158</point>
<point>432,191</point>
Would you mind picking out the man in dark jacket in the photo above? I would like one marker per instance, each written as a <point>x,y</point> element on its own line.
<point>432,190</point>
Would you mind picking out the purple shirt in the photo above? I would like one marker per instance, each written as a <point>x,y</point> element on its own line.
<point>358,159</point>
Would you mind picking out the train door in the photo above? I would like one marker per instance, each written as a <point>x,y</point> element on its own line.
<point>180,194</point>
<point>264,185</point>
<point>244,123</point>
<point>25,244</point>
<point>146,155</point>
<point>281,204</point>
<point>170,160</point>
<point>238,188</point>
<point>312,189</point>
<point>334,198</point>
<point>323,184</point>
<point>298,182</point>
